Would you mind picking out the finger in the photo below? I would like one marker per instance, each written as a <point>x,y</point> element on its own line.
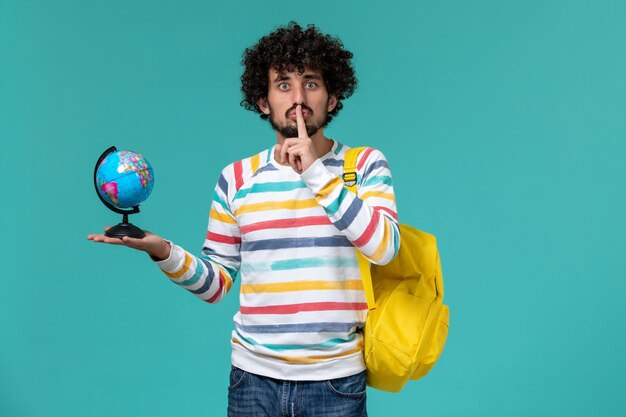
<point>293,161</point>
<point>114,241</point>
<point>96,237</point>
<point>300,122</point>
<point>133,242</point>
<point>284,151</point>
<point>106,239</point>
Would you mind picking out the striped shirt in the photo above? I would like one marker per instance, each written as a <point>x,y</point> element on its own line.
<point>291,239</point>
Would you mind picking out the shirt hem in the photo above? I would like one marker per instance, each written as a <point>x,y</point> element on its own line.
<point>331,369</point>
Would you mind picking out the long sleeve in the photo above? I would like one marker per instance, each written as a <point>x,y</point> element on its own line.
<point>210,275</point>
<point>369,219</point>
<point>291,240</point>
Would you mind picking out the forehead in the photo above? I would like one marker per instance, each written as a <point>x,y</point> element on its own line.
<point>276,75</point>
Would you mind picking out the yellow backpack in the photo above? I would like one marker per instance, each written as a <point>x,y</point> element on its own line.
<point>407,324</point>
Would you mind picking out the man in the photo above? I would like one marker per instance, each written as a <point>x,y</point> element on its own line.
<point>284,220</point>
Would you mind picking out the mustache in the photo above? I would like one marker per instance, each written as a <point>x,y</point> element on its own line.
<point>293,108</point>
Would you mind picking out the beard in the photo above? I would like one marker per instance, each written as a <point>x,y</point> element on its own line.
<point>291,131</point>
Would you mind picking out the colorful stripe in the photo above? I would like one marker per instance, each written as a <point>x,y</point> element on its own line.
<point>349,215</point>
<point>254,162</point>
<point>378,165</point>
<point>282,347</point>
<point>302,307</point>
<point>222,217</point>
<point>225,284</point>
<point>328,188</point>
<point>369,231</point>
<point>194,278</point>
<point>299,263</point>
<point>321,327</point>
<point>295,242</point>
<point>216,237</point>
<point>203,288</point>
<point>183,270</point>
<point>315,359</point>
<point>219,200</point>
<point>221,290</point>
<point>276,205</point>
<point>228,282</point>
<point>378,194</point>
<point>286,223</point>
<point>282,186</point>
<point>293,286</point>
<point>208,252</point>
<point>383,245</point>
<point>238,169</point>
<point>363,157</point>
<point>331,162</point>
<point>333,207</point>
<point>305,360</point>
<point>222,184</point>
<point>380,179</point>
<point>387,210</point>
<point>266,168</point>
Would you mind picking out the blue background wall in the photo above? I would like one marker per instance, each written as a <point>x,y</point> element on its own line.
<point>504,124</point>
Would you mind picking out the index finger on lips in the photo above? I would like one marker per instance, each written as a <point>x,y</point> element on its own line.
<point>300,122</point>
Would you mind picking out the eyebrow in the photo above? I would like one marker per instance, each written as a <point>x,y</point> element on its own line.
<point>312,77</point>
<point>284,77</point>
<point>281,77</point>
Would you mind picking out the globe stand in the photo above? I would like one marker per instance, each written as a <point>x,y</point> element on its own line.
<point>124,228</point>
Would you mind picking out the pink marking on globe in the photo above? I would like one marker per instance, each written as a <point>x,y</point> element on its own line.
<point>110,189</point>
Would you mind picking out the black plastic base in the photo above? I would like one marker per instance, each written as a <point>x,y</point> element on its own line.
<point>125,229</point>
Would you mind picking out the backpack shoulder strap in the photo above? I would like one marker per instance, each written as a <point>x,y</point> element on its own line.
<point>350,181</point>
<point>349,167</point>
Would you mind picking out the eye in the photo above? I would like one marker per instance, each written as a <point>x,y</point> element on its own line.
<point>310,84</point>
<point>283,86</point>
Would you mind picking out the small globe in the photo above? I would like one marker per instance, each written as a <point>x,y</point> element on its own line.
<point>124,179</point>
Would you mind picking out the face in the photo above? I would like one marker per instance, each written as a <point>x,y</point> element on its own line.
<point>287,90</point>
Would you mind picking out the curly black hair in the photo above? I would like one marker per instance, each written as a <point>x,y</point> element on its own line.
<point>288,48</point>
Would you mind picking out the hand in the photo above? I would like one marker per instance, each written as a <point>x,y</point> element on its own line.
<point>152,244</point>
<point>298,152</point>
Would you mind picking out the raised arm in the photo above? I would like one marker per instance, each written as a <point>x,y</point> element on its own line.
<point>369,219</point>
<point>208,276</point>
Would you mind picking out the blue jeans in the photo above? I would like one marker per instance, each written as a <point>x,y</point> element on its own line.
<point>251,395</point>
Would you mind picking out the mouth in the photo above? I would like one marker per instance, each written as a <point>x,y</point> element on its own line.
<point>292,114</point>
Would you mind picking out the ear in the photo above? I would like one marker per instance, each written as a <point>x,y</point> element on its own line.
<point>262,103</point>
<point>332,102</point>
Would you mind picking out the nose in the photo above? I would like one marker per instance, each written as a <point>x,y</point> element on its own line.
<point>298,94</point>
